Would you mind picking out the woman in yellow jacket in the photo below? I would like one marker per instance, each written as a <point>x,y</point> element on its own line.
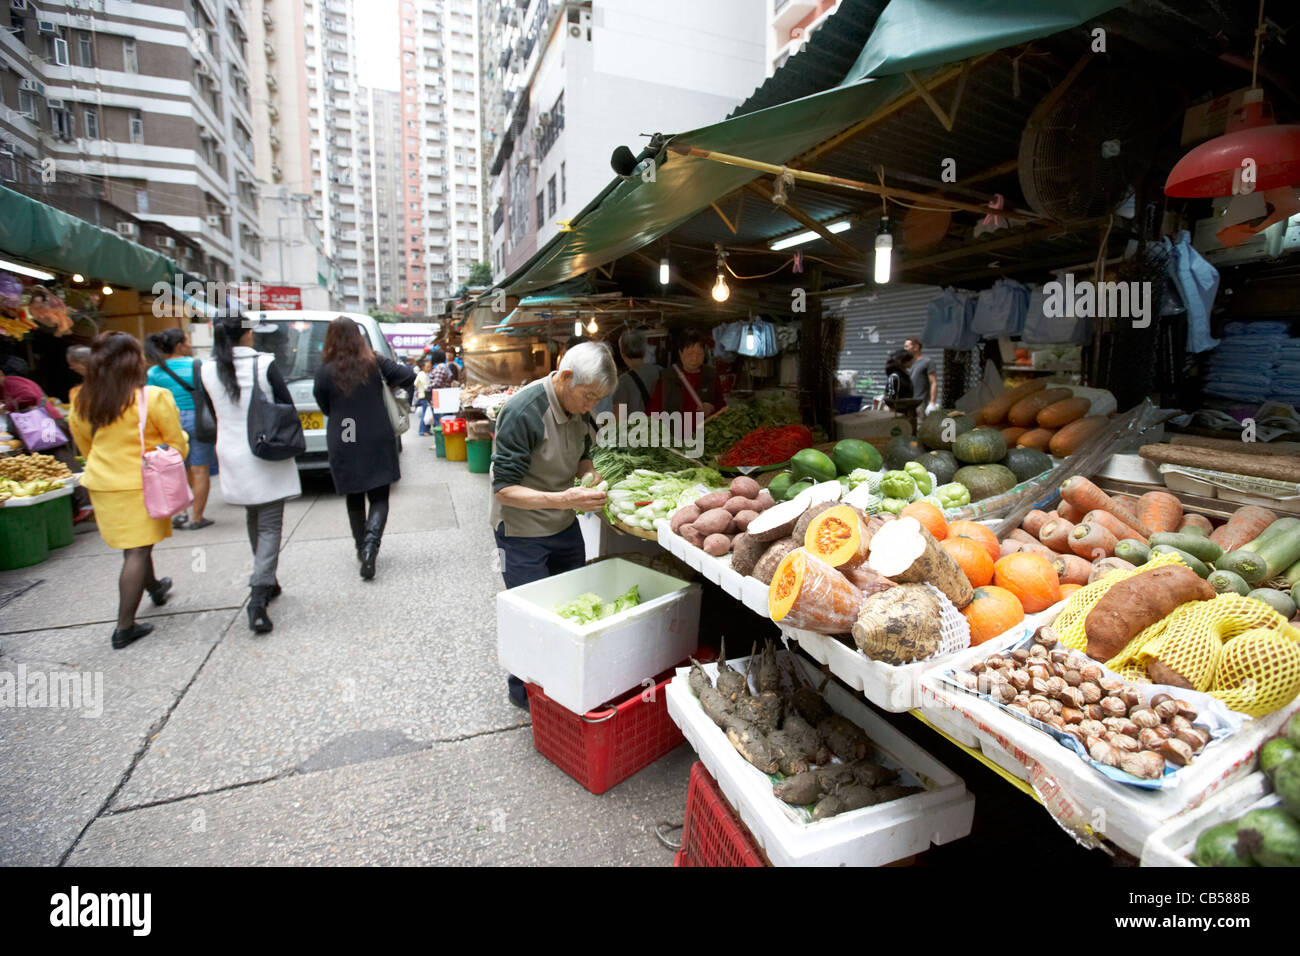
<point>105,423</point>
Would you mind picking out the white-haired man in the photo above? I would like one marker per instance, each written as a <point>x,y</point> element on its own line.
<point>544,435</point>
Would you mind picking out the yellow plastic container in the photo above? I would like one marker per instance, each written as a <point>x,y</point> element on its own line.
<point>453,439</point>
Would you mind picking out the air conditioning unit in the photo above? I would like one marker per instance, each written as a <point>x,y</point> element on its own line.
<point>165,242</point>
<point>128,229</point>
<point>32,86</point>
<point>213,221</point>
<point>47,26</point>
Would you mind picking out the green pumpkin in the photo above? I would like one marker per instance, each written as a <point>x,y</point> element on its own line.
<point>933,428</point>
<point>980,446</point>
<point>985,481</point>
<point>1027,463</point>
<point>943,463</point>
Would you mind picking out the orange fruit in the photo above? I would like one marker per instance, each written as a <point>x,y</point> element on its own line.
<point>991,612</point>
<point>1031,578</point>
<point>983,535</point>
<point>972,558</point>
<point>929,516</point>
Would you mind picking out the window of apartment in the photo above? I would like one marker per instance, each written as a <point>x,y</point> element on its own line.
<point>86,49</point>
<point>62,123</point>
<point>92,122</point>
<point>137,127</point>
<point>27,105</point>
<point>550,196</point>
<point>130,62</point>
<point>142,200</point>
<point>59,51</point>
<point>540,209</point>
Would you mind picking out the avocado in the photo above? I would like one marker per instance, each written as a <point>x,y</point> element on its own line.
<point>1271,836</point>
<point>1217,846</point>
<point>1286,784</point>
<point>943,463</point>
<point>901,450</point>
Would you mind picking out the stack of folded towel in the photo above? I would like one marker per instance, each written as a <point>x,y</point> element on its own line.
<point>1245,364</point>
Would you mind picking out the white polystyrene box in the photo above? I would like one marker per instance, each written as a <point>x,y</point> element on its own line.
<point>582,666</point>
<point>1172,844</point>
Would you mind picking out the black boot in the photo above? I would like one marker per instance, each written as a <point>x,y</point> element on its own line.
<point>274,591</point>
<point>158,593</point>
<point>358,522</point>
<point>374,534</point>
<point>121,638</point>
<point>257,619</point>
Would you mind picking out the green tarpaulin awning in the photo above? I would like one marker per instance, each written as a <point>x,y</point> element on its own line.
<point>910,35</point>
<point>49,237</point>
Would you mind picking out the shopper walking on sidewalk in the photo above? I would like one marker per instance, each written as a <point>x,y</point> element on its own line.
<point>422,395</point>
<point>173,369</point>
<point>544,438</point>
<point>261,486</point>
<point>105,424</point>
<point>363,448</point>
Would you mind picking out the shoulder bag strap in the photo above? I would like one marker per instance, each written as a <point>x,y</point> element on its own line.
<point>179,381</point>
<point>691,391</point>
<point>640,387</point>
<point>143,409</point>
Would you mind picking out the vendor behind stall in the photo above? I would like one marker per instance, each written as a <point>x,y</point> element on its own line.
<point>688,385</point>
<point>544,435</point>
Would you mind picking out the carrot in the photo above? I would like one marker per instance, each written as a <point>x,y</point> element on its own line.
<point>1160,511</point>
<point>1070,512</point>
<point>1082,492</point>
<point>1039,439</point>
<point>1198,521</point>
<point>1032,545</point>
<point>1056,535</point>
<point>1072,569</point>
<point>1247,524</point>
<point>1116,527</point>
<point>1092,541</point>
<point>1010,546</point>
<point>1035,520</point>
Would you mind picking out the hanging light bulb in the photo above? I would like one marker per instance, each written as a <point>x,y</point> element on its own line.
<point>663,271</point>
<point>78,277</point>
<point>884,252</point>
<point>577,327</point>
<point>749,341</point>
<point>592,327</point>
<point>107,290</point>
<point>721,292</point>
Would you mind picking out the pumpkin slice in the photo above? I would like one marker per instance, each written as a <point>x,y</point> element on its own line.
<point>839,537</point>
<point>808,593</point>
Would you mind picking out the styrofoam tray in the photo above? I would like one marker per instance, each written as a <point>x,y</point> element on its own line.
<point>40,499</point>
<point>872,836</point>
<point>1077,796</point>
<point>753,593</point>
<point>1172,844</point>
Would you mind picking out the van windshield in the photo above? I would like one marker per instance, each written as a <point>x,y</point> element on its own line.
<point>297,346</point>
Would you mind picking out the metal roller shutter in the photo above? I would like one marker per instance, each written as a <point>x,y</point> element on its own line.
<point>875,324</point>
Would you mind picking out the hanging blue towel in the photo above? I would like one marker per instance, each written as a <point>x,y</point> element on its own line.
<point>1042,329</point>
<point>948,321</point>
<point>1001,309</point>
<point>1196,282</point>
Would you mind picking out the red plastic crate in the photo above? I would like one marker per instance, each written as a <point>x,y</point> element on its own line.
<point>712,834</point>
<point>604,747</point>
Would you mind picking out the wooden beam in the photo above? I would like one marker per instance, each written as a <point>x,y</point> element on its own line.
<point>723,216</point>
<point>946,118</point>
<point>809,176</point>
<point>968,250</point>
<point>801,217</point>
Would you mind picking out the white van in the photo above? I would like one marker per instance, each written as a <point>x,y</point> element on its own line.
<point>297,339</point>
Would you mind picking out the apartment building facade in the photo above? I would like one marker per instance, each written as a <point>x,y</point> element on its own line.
<point>381,183</point>
<point>565,83</point>
<point>150,101</point>
<point>790,24</point>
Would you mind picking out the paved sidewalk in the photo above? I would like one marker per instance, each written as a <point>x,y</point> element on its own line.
<point>371,727</point>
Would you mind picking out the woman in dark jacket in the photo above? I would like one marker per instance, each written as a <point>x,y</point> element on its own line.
<point>898,382</point>
<point>363,450</point>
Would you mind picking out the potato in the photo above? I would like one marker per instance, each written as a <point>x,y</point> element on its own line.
<point>684,516</point>
<point>712,500</point>
<point>745,552</point>
<point>743,518</point>
<point>717,545</point>
<point>744,487</point>
<point>713,521</point>
<point>693,535</point>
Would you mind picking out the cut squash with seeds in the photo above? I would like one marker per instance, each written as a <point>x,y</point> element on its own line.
<point>839,537</point>
<point>808,593</point>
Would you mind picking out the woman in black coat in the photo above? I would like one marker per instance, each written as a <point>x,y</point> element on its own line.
<point>362,447</point>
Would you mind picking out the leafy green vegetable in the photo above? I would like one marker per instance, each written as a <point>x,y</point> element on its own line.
<point>645,496</point>
<point>589,607</point>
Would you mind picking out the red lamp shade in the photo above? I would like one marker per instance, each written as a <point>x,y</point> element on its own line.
<point>1208,170</point>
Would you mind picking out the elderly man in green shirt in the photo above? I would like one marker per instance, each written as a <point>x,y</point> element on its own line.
<point>544,436</point>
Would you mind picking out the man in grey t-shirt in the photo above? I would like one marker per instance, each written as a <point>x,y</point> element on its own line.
<point>925,383</point>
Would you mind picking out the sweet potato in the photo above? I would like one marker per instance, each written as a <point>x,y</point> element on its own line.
<point>1025,411</point>
<point>737,504</point>
<point>693,535</point>
<point>744,487</point>
<point>1059,414</point>
<point>1072,569</point>
<point>1068,439</point>
<point>1160,511</point>
<point>1056,535</point>
<point>743,518</point>
<point>714,521</point>
<point>1038,439</point>
<point>996,410</point>
<point>1134,604</point>
<point>684,516</point>
<point>745,552</point>
<point>766,566</point>
<point>714,499</point>
<point>717,545</point>
<point>1012,435</point>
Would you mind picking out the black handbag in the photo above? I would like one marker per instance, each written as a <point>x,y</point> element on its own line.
<point>205,418</point>
<point>274,430</point>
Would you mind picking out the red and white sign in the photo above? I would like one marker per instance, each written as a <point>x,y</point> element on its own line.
<point>263,297</point>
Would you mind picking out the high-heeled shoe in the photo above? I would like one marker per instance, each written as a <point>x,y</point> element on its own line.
<point>158,593</point>
<point>121,638</point>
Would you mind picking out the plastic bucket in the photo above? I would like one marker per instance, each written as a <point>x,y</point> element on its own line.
<point>58,521</point>
<point>453,438</point>
<point>480,456</point>
<point>23,539</point>
<point>438,445</point>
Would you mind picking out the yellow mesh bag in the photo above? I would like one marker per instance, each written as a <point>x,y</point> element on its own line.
<point>1259,671</point>
<point>1069,623</point>
<point>1188,643</point>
